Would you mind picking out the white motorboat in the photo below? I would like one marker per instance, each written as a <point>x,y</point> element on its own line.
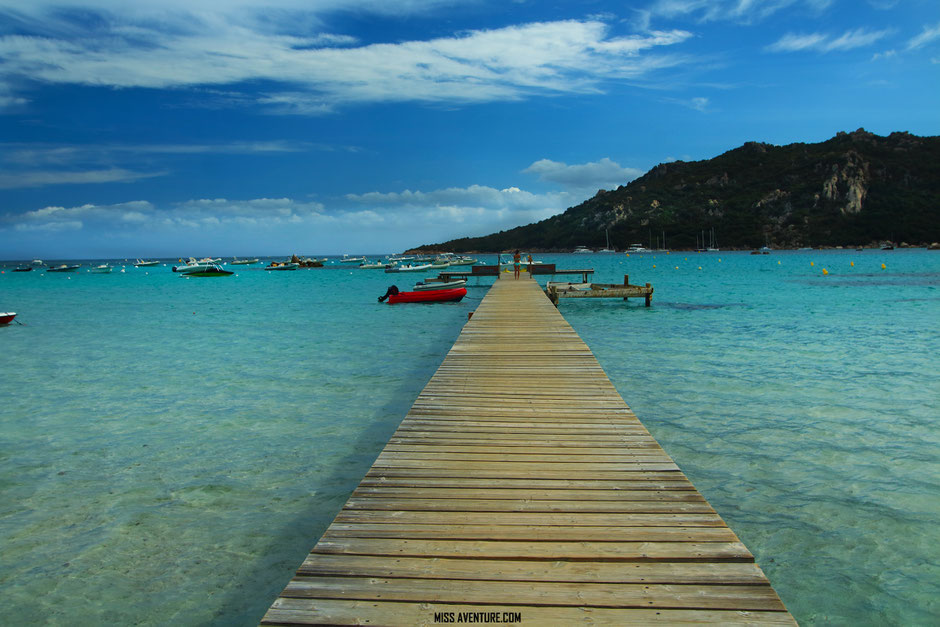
<point>348,259</point>
<point>409,268</point>
<point>243,262</point>
<point>583,250</point>
<point>102,269</point>
<point>378,265</point>
<point>638,248</point>
<point>285,265</point>
<point>194,266</point>
<point>142,263</point>
<point>463,261</point>
<point>439,285</point>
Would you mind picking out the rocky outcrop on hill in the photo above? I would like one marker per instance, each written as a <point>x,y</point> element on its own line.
<point>856,188</point>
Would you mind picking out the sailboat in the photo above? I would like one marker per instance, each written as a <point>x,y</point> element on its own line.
<point>607,248</point>
<point>712,242</point>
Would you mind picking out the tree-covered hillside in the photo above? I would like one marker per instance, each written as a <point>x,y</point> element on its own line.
<point>854,189</point>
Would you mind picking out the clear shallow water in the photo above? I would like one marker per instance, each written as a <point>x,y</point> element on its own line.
<point>171,448</point>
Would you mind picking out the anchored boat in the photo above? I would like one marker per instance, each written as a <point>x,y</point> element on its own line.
<point>209,270</point>
<point>439,285</point>
<point>428,296</point>
<point>7,317</point>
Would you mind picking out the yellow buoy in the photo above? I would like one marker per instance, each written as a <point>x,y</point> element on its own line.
<point>825,271</point>
<point>654,265</point>
<point>883,266</point>
<point>719,261</point>
<point>852,263</point>
<point>778,263</point>
<point>700,267</point>
<point>811,263</point>
<point>677,267</point>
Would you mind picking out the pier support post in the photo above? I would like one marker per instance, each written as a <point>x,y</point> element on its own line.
<point>649,295</point>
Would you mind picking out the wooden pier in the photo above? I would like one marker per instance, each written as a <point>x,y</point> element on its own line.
<point>521,488</point>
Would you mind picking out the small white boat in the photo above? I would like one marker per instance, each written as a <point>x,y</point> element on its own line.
<point>243,262</point>
<point>142,263</point>
<point>378,265</point>
<point>409,268</point>
<point>282,266</point>
<point>463,261</point>
<point>638,248</point>
<point>439,285</point>
<point>194,266</point>
<point>102,269</point>
<point>348,259</point>
<point>583,250</point>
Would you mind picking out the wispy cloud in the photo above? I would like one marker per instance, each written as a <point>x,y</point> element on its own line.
<point>735,10</point>
<point>821,42</point>
<point>585,177</point>
<point>24,154</point>
<point>320,70</point>
<point>41,178</point>
<point>929,34</point>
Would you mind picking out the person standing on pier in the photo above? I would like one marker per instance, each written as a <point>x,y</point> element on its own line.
<point>516,261</point>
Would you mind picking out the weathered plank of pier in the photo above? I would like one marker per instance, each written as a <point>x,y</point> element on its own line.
<point>521,488</point>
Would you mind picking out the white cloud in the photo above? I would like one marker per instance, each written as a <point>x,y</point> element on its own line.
<point>457,211</point>
<point>42,178</point>
<point>821,42</point>
<point>374,221</point>
<point>603,174</point>
<point>929,34</point>
<point>203,45</point>
<point>793,43</point>
<point>736,10</point>
<point>143,215</point>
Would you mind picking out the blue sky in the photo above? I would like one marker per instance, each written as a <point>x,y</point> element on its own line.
<point>221,127</point>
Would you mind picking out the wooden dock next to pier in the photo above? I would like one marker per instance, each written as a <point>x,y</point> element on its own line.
<point>521,488</point>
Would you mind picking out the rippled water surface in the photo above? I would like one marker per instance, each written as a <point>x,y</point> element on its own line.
<point>170,448</point>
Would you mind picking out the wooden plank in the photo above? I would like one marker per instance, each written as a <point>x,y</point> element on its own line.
<point>621,595</point>
<point>633,551</point>
<point>533,519</point>
<point>558,533</point>
<point>743,573</point>
<point>286,611</point>
<point>535,494</point>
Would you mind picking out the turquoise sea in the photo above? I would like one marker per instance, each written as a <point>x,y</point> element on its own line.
<point>171,448</point>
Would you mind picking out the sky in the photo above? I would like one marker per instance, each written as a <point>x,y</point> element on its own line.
<point>321,127</point>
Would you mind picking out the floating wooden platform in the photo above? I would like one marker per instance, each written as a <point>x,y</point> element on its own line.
<point>556,291</point>
<point>521,488</point>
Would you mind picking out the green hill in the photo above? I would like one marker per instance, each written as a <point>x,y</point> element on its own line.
<point>854,189</point>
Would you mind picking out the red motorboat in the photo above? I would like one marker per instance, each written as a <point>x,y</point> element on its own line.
<point>428,296</point>
<point>7,317</point>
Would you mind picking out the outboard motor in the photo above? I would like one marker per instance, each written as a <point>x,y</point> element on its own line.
<point>392,291</point>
